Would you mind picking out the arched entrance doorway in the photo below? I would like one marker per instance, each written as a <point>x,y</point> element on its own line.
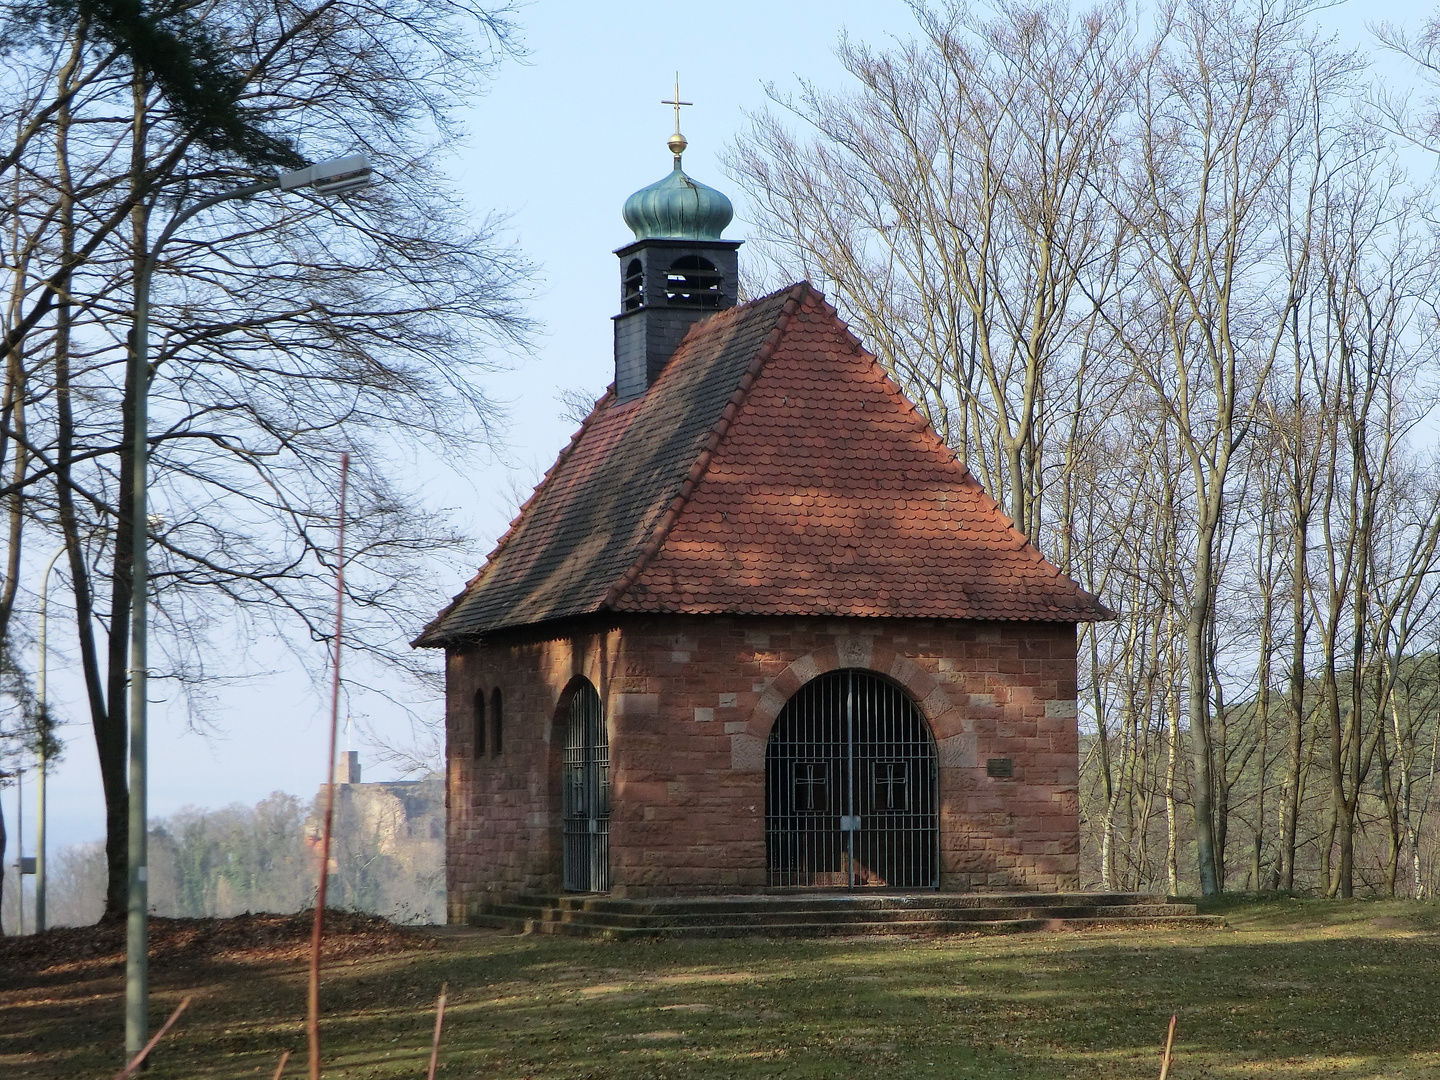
<point>586,796</point>
<point>851,787</point>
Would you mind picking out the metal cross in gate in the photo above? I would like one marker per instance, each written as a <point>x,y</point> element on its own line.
<point>810,780</point>
<point>892,781</point>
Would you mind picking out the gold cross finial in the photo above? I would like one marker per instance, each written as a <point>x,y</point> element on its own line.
<point>677,141</point>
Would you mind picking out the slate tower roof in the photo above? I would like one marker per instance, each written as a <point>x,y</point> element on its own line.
<point>772,469</point>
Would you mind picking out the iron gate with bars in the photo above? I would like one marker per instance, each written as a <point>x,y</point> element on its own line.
<point>851,788</point>
<point>586,778</point>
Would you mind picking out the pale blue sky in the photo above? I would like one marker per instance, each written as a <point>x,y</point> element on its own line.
<point>559,142</point>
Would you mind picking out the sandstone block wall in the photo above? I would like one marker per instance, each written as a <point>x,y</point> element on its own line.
<point>689,703</point>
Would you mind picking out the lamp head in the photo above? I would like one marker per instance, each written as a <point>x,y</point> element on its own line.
<point>333,177</point>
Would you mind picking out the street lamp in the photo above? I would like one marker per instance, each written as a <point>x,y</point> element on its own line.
<point>327,178</point>
<point>43,764</point>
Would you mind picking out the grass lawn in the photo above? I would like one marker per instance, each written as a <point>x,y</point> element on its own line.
<point>1291,988</point>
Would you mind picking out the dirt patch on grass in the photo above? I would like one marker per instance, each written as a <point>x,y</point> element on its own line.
<point>1395,922</point>
<point>180,942</point>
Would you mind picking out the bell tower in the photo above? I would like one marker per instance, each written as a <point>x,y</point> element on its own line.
<point>677,272</point>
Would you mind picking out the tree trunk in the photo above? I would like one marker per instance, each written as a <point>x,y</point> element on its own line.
<point>1220,762</point>
<point>1016,468</point>
<point>1197,625</point>
<point>3,853</point>
<point>14,420</point>
<point>1258,843</point>
<point>1290,805</point>
<point>1331,703</point>
<point>1391,803</point>
<point>117,812</point>
<point>109,731</point>
<point>1102,733</point>
<point>1172,838</point>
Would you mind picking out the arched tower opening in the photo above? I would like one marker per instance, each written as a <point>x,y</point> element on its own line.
<point>633,287</point>
<point>694,282</point>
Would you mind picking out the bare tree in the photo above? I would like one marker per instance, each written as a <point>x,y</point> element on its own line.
<point>284,331</point>
<point>1220,198</point>
<point>953,203</point>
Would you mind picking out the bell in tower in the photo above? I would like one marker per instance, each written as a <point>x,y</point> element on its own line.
<point>677,272</point>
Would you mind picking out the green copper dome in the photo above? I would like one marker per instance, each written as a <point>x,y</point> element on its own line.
<point>678,208</point>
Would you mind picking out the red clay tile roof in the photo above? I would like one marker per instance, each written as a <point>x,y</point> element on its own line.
<point>773,469</point>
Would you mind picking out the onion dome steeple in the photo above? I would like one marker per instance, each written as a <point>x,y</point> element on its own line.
<point>677,207</point>
<point>676,272</point>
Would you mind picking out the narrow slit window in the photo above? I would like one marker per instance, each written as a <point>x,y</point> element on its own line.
<point>634,288</point>
<point>497,718</point>
<point>479,724</point>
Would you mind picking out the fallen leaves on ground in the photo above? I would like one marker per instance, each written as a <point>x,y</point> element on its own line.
<point>180,942</point>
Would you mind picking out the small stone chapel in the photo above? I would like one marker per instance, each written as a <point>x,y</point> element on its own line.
<point>757,629</point>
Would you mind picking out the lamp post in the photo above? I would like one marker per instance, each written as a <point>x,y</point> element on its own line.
<point>42,764</point>
<point>20,846</point>
<point>327,178</point>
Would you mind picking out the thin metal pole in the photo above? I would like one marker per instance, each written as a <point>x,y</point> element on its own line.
<point>850,772</point>
<point>313,997</point>
<point>44,762</point>
<point>137,930</point>
<point>20,849</point>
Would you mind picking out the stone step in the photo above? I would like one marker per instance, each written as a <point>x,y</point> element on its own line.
<point>818,914</point>
<point>831,928</point>
<point>803,915</point>
<point>826,901</point>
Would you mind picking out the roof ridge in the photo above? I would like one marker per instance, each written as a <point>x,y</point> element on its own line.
<point>513,527</point>
<point>717,435</point>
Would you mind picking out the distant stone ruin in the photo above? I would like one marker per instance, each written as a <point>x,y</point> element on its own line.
<point>387,854</point>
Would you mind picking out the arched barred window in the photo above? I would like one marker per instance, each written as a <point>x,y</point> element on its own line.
<point>851,787</point>
<point>586,792</point>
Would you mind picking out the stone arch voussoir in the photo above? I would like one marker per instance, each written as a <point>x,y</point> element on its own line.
<point>934,703</point>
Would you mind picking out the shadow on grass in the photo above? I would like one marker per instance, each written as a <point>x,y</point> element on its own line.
<point>1040,1006</point>
<point>1232,901</point>
<point>1315,991</point>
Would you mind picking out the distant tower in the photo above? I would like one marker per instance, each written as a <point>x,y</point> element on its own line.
<point>677,271</point>
<point>347,767</point>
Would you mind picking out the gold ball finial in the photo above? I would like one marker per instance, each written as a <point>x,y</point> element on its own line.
<point>677,144</point>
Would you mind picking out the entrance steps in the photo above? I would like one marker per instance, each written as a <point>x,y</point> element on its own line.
<point>827,914</point>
